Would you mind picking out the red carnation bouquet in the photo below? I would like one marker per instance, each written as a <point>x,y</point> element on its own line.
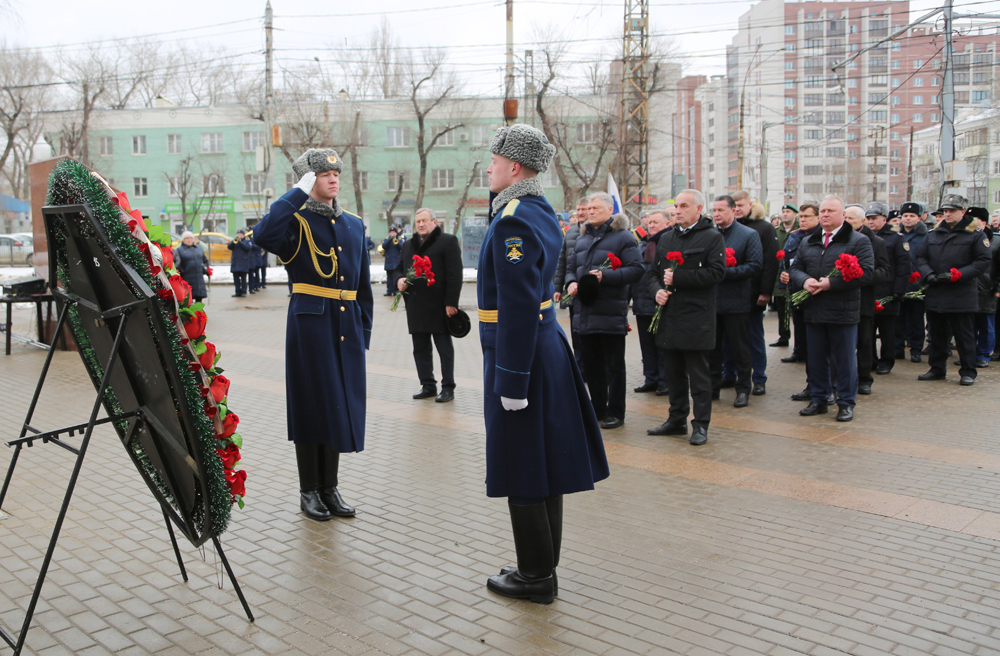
<point>421,269</point>
<point>955,274</point>
<point>675,259</point>
<point>612,261</point>
<point>915,276</point>
<point>846,267</point>
<point>730,257</point>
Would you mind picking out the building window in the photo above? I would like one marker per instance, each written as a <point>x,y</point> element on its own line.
<point>211,142</point>
<point>446,139</point>
<point>918,100</point>
<point>363,179</point>
<point>835,117</point>
<point>481,135</point>
<point>289,181</point>
<point>980,96</point>
<point>811,99</point>
<point>173,144</point>
<point>835,152</point>
<point>213,185</point>
<point>876,98</point>
<point>587,132</point>
<point>443,179</point>
<point>139,144</point>
<point>253,183</point>
<point>789,66</point>
<point>789,102</point>
<point>251,140</point>
<point>894,189</point>
<point>397,138</point>
<point>789,136</point>
<point>918,64</point>
<point>918,118</point>
<point>789,84</point>
<point>894,136</point>
<point>813,134</point>
<point>935,81</point>
<point>935,118</point>
<point>880,115</point>
<point>918,81</point>
<point>393,180</point>
<point>962,97</point>
<point>139,187</point>
<point>107,146</point>
<point>789,29</point>
<point>895,64</point>
<point>482,180</point>
<point>879,81</point>
<point>812,170</point>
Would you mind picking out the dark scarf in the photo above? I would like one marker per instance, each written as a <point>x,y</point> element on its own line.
<point>649,253</point>
<point>420,245</point>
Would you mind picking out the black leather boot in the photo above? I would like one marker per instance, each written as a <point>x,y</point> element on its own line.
<point>554,509</point>
<point>533,578</point>
<point>329,469</point>
<point>307,456</point>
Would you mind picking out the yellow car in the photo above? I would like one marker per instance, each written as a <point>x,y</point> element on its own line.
<point>216,244</point>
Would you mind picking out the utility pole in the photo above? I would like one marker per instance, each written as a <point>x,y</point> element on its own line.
<point>876,134</point>
<point>634,119</point>
<point>909,169</point>
<point>743,96</point>
<point>509,100</point>
<point>269,134</point>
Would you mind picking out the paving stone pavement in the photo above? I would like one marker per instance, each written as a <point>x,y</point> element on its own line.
<point>783,535</point>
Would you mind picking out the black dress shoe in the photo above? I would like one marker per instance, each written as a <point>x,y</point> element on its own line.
<point>312,505</point>
<point>793,358</point>
<point>864,388</point>
<point>727,383</point>
<point>882,370</point>
<point>967,380</point>
<point>612,422</point>
<point>335,503</point>
<point>645,387</point>
<point>663,391</point>
<point>388,294</point>
<point>445,396</point>
<point>555,579</point>
<point>813,409</point>
<point>699,435</point>
<point>780,342</point>
<point>830,400</point>
<point>759,389</point>
<point>957,363</point>
<point>425,393</point>
<point>846,413</point>
<point>995,357</point>
<point>742,400</point>
<point>931,375</point>
<point>804,395</point>
<point>915,357</point>
<point>515,586</point>
<point>982,364</point>
<point>669,428</point>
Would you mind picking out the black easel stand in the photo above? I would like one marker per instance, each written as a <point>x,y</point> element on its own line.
<point>122,312</point>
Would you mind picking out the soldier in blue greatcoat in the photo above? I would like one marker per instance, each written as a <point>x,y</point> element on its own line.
<point>392,248</point>
<point>329,326</point>
<point>542,436</point>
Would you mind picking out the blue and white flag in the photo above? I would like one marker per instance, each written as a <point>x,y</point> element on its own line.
<point>613,191</point>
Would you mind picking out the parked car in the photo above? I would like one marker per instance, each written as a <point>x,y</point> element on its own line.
<point>216,244</point>
<point>15,250</point>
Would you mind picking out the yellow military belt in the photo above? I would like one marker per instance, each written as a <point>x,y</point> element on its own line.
<point>490,316</point>
<point>325,292</point>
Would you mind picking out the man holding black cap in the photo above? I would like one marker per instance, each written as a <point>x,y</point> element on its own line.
<point>910,325</point>
<point>542,436</point>
<point>893,286</point>
<point>950,259</point>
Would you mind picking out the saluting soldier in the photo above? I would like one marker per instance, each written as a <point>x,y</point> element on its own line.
<point>329,326</point>
<point>542,436</point>
<point>392,249</point>
<point>951,258</point>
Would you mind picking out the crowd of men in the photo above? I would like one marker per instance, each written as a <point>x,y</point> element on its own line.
<point>698,276</point>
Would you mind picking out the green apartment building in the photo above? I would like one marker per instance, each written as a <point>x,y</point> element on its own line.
<point>199,167</point>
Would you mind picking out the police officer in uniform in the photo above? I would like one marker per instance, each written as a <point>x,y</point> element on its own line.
<point>392,249</point>
<point>900,266</point>
<point>329,326</point>
<point>951,258</point>
<point>542,436</point>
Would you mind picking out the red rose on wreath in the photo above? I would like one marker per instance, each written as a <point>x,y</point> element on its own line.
<point>207,359</point>
<point>194,325</point>
<point>237,482</point>
<point>230,455</point>
<point>229,424</point>
<point>182,290</point>
<point>220,388</point>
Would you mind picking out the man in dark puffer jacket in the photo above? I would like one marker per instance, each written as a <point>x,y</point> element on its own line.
<point>602,321</point>
<point>833,312</point>
<point>644,308</point>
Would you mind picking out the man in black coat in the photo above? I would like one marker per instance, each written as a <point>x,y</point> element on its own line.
<point>577,222</point>
<point>760,288</point>
<point>910,326</point>
<point>600,313</point>
<point>686,330</point>
<point>900,266</point>
<point>855,215</point>
<point>239,262</point>
<point>644,308</point>
<point>989,290</point>
<point>834,310</point>
<point>951,258</point>
<point>732,298</point>
<point>428,306</point>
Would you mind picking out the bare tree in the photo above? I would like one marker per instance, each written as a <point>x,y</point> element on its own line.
<point>184,184</point>
<point>88,75</point>
<point>430,85</point>
<point>465,194</point>
<point>395,200</point>
<point>23,95</point>
<point>376,69</point>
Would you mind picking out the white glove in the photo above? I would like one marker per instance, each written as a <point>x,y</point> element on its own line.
<point>513,404</point>
<point>306,182</point>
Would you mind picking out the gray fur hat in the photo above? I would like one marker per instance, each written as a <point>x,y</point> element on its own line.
<point>525,145</point>
<point>317,160</point>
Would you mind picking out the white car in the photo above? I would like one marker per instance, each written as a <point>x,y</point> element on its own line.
<point>16,250</point>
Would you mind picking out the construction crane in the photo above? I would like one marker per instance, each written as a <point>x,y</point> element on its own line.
<point>634,142</point>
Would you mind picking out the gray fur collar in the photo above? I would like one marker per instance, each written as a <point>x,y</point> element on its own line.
<point>527,187</point>
<point>323,209</point>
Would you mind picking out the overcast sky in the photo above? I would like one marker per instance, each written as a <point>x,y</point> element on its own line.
<point>474,31</point>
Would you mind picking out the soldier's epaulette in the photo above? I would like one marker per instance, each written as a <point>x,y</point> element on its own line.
<point>510,208</point>
<point>352,215</point>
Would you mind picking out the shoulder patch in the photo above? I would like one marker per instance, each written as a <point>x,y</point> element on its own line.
<point>986,242</point>
<point>515,248</point>
<point>906,245</point>
<point>511,208</point>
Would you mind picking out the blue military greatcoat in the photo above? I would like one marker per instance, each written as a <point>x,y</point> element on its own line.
<point>326,337</point>
<point>554,446</point>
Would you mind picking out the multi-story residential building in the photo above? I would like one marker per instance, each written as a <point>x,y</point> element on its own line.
<point>197,167</point>
<point>816,133</point>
